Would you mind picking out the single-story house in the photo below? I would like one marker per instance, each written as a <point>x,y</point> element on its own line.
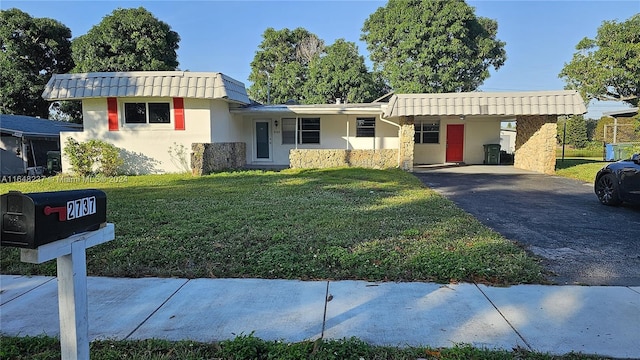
<point>151,114</point>
<point>25,142</point>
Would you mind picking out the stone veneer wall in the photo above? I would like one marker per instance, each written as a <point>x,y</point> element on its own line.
<point>406,140</point>
<point>536,143</point>
<point>325,158</point>
<point>207,158</point>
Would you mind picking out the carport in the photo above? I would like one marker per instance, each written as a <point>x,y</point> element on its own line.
<point>25,141</point>
<point>460,124</point>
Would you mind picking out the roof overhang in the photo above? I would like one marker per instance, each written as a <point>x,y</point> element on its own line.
<point>323,109</point>
<point>29,127</point>
<point>507,104</point>
<point>184,84</point>
<point>30,135</point>
<point>622,113</point>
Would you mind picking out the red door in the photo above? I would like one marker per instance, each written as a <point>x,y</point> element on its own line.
<point>455,143</point>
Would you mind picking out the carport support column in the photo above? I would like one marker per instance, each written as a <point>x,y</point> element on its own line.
<point>405,139</point>
<point>536,143</point>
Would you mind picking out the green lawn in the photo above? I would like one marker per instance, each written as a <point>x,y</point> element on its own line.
<point>305,224</point>
<point>584,169</point>
<point>249,347</point>
<point>296,224</point>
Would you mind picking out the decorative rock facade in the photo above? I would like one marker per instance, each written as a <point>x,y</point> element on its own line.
<point>536,143</point>
<point>324,158</point>
<point>207,158</point>
<point>405,135</point>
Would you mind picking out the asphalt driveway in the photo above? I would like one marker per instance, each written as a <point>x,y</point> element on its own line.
<point>579,240</point>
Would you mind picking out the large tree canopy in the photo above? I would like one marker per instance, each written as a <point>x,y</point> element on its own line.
<point>31,50</point>
<point>608,67</point>
<point>340,73</point>
<point>296,65</point>
<point>432,46</point>
<point>280,67</point>
<point>127,40</point>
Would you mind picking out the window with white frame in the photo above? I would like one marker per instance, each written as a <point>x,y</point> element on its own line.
<point>427,132</point>
<point>366,127</point>
<point>288,131</point>
<point>308,130</point>
<point>147,113</point>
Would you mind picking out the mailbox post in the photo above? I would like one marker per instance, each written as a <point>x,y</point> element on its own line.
<point>60,225</point>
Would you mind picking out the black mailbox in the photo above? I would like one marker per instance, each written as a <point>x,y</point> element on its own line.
<point>34,219</point>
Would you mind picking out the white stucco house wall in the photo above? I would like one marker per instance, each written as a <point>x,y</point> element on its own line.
<point>147,114</point>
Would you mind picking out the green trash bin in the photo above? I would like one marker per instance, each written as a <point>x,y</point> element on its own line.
<point>492,154</point>
<point>623,151</point>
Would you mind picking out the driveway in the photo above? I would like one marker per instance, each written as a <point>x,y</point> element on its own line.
<point>579,240</point>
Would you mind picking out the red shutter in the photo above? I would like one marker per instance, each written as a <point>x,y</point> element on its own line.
<point>178,113</point>
<point>112,110</point>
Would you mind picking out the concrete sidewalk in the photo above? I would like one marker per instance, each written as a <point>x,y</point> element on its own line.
<point>553,319</point>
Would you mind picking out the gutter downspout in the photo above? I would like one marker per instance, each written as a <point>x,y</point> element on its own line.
<point>23,154</point>
<point>398,126</point>
<point>347,132</point>
<point>296,133</point>
<point>33,153</point>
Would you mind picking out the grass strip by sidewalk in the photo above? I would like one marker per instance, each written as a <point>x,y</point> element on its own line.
<point>340,223</point>
<point>249,347</point>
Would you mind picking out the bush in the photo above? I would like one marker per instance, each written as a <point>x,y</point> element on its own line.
<point>93,157</point>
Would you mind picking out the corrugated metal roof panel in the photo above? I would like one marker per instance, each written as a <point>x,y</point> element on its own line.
<point>147,84</point>
<point>561,102</point>
<point>30,126</point>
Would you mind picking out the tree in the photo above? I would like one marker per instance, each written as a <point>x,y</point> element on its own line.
<point>591,128</point>
<point>432,46</point>
<point>280,67</point>
<point>127,40</point>
<point>31,50</point>
<point>607,67</point>
<point>577,132</point>
<point>340,73</point>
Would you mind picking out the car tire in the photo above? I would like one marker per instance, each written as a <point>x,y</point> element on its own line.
<point>607,190</point>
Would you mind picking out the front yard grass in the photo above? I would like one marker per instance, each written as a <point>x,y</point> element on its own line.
<point>584,169</point>
<point>346,223</point>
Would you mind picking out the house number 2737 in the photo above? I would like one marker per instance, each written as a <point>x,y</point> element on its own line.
<point>81,207</point>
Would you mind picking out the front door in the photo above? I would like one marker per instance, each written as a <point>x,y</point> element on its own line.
<point>263,140</point>
<point>455,143</point>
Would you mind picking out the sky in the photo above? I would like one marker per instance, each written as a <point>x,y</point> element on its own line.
<point>223,36</point>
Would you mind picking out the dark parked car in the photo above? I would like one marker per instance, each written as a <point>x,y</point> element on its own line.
<point>619,182</point>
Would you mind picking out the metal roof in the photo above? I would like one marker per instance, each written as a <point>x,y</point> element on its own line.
<point>27,126</point>
<point>562,102</point>
<point>313,109</point>
<point>622,113</point>
<point>197,85</point>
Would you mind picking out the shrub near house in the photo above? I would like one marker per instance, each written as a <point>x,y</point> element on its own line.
<point>93,156</point>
